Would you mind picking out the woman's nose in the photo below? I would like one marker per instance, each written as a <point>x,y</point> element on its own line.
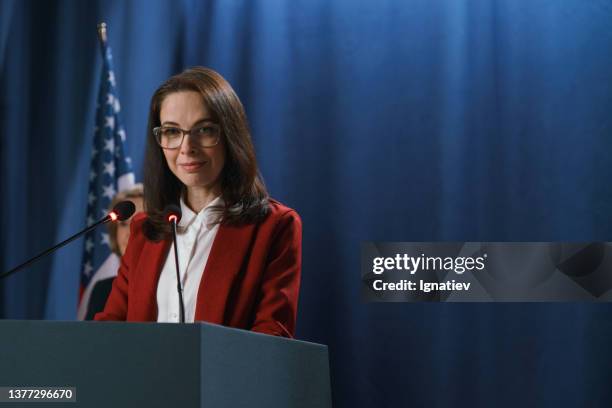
<point>187,145</point>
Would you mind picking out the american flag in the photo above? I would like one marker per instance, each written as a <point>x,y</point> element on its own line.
<point>111,172</point>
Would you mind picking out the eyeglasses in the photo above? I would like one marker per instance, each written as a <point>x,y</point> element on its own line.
<point>171,137</point>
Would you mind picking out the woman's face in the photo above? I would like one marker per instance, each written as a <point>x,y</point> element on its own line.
<point>123,227</point>
<point>195,166</point>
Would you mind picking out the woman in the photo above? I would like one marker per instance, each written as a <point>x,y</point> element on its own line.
<point>239,250</point>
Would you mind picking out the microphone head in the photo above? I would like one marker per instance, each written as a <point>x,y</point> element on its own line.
<point>122,211</point>
<point>172,213</point>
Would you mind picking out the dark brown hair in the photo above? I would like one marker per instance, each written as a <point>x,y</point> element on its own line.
<point>242,189</point>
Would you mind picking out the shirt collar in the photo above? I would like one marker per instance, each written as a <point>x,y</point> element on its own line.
<point>189,217</point>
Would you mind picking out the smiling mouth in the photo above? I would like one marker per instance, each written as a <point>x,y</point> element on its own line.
<point>192,167</point>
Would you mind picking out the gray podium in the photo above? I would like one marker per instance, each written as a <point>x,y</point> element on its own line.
<point>163,365</point>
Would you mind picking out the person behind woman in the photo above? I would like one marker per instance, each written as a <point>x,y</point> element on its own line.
<point>239,250</point>
<point>97,292</point>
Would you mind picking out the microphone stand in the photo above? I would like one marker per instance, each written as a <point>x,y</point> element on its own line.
<point>178,275</point>
<point>61,244</point>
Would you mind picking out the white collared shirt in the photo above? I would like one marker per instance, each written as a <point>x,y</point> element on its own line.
<point>195,236</point>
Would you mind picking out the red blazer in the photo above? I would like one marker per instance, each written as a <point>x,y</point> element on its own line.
<point>251,279</point>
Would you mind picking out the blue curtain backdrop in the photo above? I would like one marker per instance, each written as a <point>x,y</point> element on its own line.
<point>410,120</point>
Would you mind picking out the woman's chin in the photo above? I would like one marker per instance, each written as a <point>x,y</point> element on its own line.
<point>195,181</point>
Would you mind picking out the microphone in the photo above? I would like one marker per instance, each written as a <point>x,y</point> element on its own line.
<point>121,211</point>
<point>172,214</point>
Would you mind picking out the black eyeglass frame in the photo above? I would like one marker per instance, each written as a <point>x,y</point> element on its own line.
<point>157,134</point>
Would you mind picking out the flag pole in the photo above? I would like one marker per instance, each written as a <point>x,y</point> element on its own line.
<point>102,32</point>
<point>98,262</point>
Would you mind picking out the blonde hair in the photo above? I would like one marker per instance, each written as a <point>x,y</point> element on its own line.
<point>135,192</point>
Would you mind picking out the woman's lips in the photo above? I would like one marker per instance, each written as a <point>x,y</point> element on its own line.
<point>192,167</point>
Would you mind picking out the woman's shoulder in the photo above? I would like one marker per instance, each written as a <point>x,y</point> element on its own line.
<point>138,219</point>
<point>279,212</point>
<point>136,226</point>
<point>279,209</point>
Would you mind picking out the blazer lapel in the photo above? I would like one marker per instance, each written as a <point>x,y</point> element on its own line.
<point>226,257</point>
<point>151,262</point>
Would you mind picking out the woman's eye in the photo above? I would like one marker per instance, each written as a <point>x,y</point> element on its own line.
<point>170,132</point>
<point>205,130</point>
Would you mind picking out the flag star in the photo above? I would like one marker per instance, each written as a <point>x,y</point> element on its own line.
<point>91,198</point>
<point>109,144</point>
<point>105,239</point>
<point>128,160</point>
<point>117,106</point>
<point>109,191</point>
<point>110,122</point>
<point>110,99</point>
<point>110,168</point>
<point>90,220</point>
<point>111,78</point>
<point>89,245</point>
<point>94,151</point>
<point>121,133</point>
<point>87,269</point>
